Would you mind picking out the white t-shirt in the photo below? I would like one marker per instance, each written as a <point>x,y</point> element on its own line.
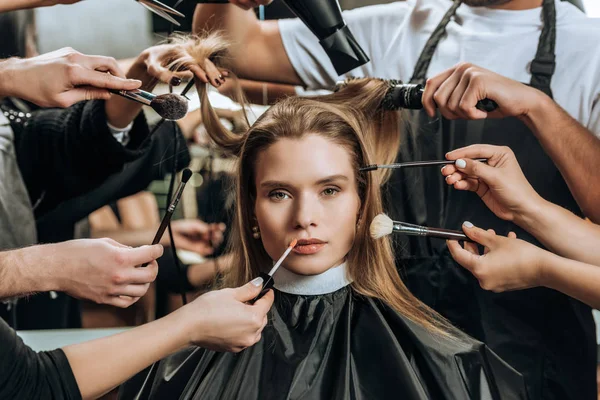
<point>503,41</point>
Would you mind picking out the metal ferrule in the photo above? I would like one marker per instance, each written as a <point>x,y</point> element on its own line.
<point>409,229</point>
<point>138,95</point>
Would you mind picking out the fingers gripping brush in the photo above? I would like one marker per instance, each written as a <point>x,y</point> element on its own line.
<point>268,278</point>
<point>383,225</point>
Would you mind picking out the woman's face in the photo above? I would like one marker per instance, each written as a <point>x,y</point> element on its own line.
<point>306,190</point>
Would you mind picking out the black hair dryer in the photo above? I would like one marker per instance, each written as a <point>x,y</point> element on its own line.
<point>324,19</point>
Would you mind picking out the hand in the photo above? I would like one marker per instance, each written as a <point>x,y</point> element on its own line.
<point>62,78</point>
<point>222,321</point>
<point>172,63</point>
<point>508,263</point>
<point>248,4</point>
<point>500,183</point>
<point>105,271</point>
<point>195,235</point>
<point>10,5</point>
<point>456,91</point>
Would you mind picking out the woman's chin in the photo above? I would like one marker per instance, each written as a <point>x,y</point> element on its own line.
<point>309,265</point>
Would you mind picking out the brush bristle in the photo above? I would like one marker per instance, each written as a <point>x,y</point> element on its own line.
<point>170,106</point>
<point>186,175</point>
<point>293,243</point>
<point>381,226</point>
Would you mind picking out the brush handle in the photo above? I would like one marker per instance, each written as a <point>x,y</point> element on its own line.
<point>411,164</point>
<point>418,230</point>
<point>267,285</point>
<point>138,95</point>
<point>447,234</point>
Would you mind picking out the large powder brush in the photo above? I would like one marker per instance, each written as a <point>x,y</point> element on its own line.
<point>169,106</point>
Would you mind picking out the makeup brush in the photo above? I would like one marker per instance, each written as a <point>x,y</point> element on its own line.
<point>185,176</point>
<point>383,225</point>
<point>169,106</point>
<point>410,164</point>
<point>268,278</point>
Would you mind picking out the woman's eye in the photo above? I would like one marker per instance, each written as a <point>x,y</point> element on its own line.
<point>330,192</point>
<point>278,195</point>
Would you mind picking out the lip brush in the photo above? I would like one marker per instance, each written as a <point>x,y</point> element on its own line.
<point>268,278</point>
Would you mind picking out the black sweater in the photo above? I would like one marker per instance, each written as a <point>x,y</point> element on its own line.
<point>63,153</point>
<point>25,374</point>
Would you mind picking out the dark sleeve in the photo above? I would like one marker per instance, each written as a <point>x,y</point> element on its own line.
<point>63,153</point>
<point>154,164</point>
<point>25,374</point>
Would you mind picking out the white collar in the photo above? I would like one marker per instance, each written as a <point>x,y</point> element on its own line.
<point>327,282</point>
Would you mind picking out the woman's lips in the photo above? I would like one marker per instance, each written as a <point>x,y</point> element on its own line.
<point>308,246</point>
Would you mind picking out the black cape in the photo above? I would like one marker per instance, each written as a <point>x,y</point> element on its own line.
<point>334,346</point>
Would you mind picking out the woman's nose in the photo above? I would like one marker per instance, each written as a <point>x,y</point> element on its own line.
<point>305,213</point>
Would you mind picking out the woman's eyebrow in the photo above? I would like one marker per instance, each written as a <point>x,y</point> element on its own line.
<point>333,178</point>
<point>273,184</point>
<point>329,179</point>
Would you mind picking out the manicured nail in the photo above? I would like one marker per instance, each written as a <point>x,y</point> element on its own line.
<point>468,224</point>
<point>443,168</point>
<point>460,163</point>
<point>257,281</point>
<point>175,81</point>
<point>221,77</point>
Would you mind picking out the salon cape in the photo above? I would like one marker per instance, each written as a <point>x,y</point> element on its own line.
<point>333,345</point>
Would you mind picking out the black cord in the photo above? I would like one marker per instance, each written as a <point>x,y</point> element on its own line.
<point>178,265</point>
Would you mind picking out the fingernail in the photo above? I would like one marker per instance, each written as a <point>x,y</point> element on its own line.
<point>175,81</point>
<point>468,224</point>
<point>221,77</point>
<point>257,281</point>
<point>443,168</point>
<point>460,163</point>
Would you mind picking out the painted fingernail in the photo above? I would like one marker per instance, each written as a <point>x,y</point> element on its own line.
<point>460,163</point>
<point>257,281</point>
<point>175,81</point>
<point>468,224</point>
<point>221,77</point>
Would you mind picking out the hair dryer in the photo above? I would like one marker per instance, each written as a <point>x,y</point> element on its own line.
<point>324,19</point>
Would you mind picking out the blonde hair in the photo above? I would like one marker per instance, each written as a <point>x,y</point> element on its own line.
<point>351,117</point>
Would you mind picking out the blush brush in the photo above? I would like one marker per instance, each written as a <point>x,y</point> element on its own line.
<point>383,225</point>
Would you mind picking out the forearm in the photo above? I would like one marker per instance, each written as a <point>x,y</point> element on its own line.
<point>573,278</point>
<point>11,5</point>
<point>256,50</point>
<point>27,270</point>
<point>573,148</point>
<point>265,93</point>
<point>563,232</point>
<point>102,364</point>
<point>8,76</point>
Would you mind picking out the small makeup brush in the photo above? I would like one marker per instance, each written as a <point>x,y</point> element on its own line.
<point>268,278</point>
<point>410,164</point>
<point>169,106</point>
<point>185,176</point>
<point>383,225</point>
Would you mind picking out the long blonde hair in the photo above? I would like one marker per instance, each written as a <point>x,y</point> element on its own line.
<point>351,117</point>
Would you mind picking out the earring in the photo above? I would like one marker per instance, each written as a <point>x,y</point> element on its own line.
<point>255,232</point>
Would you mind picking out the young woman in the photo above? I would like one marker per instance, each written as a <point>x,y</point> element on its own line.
<point>343,324</point>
